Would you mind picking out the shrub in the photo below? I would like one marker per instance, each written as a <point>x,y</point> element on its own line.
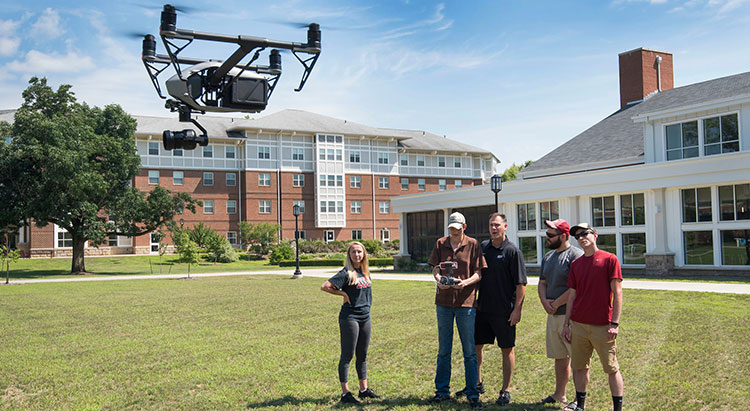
<point>372,246</point>
<point>312,263</point>
<point>281,252</point>
<point>312,246</point>
<point>200,234</point>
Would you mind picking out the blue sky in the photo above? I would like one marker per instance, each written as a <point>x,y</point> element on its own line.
<point>517,78</point>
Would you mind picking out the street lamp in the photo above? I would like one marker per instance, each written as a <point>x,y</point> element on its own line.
<point>182,223</point>
<point>496,185</point>
<point>296,210</point>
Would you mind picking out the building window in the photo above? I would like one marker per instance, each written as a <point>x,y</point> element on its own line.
<point>696,205</point>
<point>356,234</point>
<point>404,183</point>
<point>528,249</point>
<point>458,183</point>
<point>231,179</point>
<point>721,135</point>
<point>699,247</point>
<point>442,185</point>
<point>339,181</point>
<point>734,247</point>
<point>526,216</point>
<point>339,139</point>
<point>331,206</point>
<point>385,235</point>
<point>356,207</point>
<point>682,140</point>
<point>734,202</point>
<point>607,242</point>
<point>548,210</point>
<point>330,154</point>
<point>385,207</point>
<point>208,152</point>
<point>323,207</point>
<point>153,176</point>
<point>177,152</point>
<point>264,206</point>
<point>232,237</point>
<point>421,184</point>
<point>321,154</point>
<point>178,178</point>
<point>354,157</point>
<point>457,162</point>
<point>634,248</point>
<point>208,178</point>
<point>632,210</point>
<point>404,159</point>
<point>229,151</point>
<point>355,181</point>
<point>208,206</point>
<point>331,181</point>
<point>323,180</point>
<point>329,236</point>
<point>338,155</point>
<point>420,160</point>
<point>298,180</point>
<point>264,179</point>
<point>298,154</point>
<point>302,234</point>
<point>441,161</point>
<point>382,158</point>
<point>301,204</point>
<point>384,183</point>
<point>112,240</point>
<point>603,211</point>
<point>339,206</point>
<point>264,152</point>
<point>153,148</point>
<point>64,239</point>
<point>231,206</point>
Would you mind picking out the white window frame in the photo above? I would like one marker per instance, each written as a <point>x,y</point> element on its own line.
<point>301,204</point>
<point>458,183</point>
<point>153,146</point>
<point>441,161</point>
<point>384,183</point>
<point>264,206</point>
<point>355,181</point>
<point>420,160</point>
<point>208,206</point>
<point>403,160</point>
<point>355,207</point>
<point>231,181</point>
<point>701,134</point>
<point>355,157</point>
<point>385,235</point>
<point>383,158</point>
<point>231,206</point>
<point>328,236</point>
<point>442,185</point>
<point>177,152</point>
<point>230,150</point>
<point>404,183</point>
<point>421,184</point>
<point>356,234</point>
<point>208,178</point>
<point>298,154</point>
<point>232,238</point>
<point>264,179</point>
<point>384,207</point>
<point>153,177</point>
<point>264,152</point>
<point>298,180</point>
<point>208,151</point>
<point>178,181</point>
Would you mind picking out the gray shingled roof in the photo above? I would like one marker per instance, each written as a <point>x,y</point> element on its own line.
<point>618,137</point>
<point>421,140</point>
<point>215,126</point>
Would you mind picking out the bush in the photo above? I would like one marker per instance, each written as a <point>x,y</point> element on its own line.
<point>331,262</point>
<point>338,246</point>
<point>219,249</point>
<point>200,234</point>
<point>312,247</point>
<point>281,252</point>
<point>372,246</point>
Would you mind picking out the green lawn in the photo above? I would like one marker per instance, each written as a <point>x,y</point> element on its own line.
<point>270,342</point>
<point>126,265</point>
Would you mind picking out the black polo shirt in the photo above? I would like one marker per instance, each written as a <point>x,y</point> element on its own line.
<point>505,270</point>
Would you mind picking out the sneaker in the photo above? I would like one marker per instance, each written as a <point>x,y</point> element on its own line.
<point>438,398</point>
<point>503,399</point>
<point>480,388</point>
<point>348,398</point>
<point>368,394</point>
<point>475,403</point>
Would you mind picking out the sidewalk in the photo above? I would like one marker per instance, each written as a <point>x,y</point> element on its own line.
<point>328,272</point>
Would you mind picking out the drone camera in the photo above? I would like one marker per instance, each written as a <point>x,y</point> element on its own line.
<point>185,139</point>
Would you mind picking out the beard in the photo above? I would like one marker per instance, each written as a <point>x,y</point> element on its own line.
<point>554,245</point>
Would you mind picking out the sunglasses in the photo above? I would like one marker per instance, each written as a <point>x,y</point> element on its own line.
<point>550,235</point>
<point>581,234</point>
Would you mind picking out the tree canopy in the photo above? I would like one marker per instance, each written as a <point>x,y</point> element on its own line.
<point>73,165</point>
<point>511,172</point>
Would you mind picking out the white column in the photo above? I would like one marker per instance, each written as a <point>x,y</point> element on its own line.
<point>402,227</point>
<point>446,217</point>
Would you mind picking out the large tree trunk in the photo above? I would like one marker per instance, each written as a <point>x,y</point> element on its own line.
<point>79,267</point>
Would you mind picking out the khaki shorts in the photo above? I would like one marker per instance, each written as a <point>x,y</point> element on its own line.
<point>557,348</point>
<point>584,339</point>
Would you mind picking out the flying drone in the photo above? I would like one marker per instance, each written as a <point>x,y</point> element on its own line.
<point>201,86</point>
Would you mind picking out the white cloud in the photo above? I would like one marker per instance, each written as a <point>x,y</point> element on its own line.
<point>9,45</point>
<point>8,27</point>
<point>436,22</point>
<point>47,26</point>
<point>42,63</point>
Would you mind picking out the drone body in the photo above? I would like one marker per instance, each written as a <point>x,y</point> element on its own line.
<point>209,85</point>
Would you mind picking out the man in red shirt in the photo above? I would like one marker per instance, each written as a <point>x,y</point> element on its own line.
<point>593,314</point>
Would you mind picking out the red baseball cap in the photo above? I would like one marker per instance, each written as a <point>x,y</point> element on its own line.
<point>559,224</point>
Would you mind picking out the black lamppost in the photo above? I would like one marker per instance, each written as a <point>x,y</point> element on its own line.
<point>496,185</point>
<point>296,210</point>
<point>182,223</point>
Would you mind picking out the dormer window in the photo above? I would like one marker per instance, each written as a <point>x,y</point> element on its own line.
<point>705,137</point>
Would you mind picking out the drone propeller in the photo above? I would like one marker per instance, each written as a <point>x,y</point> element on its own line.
<point>179,8</point>
<point>302,25</point>
<point>136,35</point>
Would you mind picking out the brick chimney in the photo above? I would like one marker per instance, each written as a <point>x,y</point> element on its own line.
<point>641,73</point>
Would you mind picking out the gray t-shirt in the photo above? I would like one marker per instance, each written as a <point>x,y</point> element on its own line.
<point>555,269</point>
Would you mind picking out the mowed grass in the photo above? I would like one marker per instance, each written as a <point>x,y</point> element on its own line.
<point>126,265</point>
<point>272,342</point>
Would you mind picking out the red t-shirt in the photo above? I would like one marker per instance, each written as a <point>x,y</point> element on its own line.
<point>590,277</point>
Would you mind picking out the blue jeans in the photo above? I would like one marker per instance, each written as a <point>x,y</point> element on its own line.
<point>465,323</point>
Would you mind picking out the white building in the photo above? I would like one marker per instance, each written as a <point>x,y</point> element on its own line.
<point>665,179</point>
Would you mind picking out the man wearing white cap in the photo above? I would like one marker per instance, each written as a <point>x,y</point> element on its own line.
<point>457,263</point>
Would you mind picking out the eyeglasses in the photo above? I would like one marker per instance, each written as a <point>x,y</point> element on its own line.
<point>581,234</point>
<point>551,235</point>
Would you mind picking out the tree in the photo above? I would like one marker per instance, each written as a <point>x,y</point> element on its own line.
<point>261,236</point>
<point>11,206</point>
<point>188,251</point>
<point>7,256</point>
<point>511,172</point>
<point>72,165</point>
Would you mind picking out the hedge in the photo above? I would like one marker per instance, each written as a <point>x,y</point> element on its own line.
<point>333,262</point>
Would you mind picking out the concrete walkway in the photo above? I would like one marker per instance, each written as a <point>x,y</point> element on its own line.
<point>728,288</point>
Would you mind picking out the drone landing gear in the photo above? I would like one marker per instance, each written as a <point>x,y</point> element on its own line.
<point>185,139</point>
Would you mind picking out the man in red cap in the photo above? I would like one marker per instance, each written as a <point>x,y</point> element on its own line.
<point>553,293</point>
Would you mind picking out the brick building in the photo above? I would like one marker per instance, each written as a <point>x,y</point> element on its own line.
<point>343,174</point>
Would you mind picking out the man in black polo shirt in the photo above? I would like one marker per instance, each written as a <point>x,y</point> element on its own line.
<point>501,294</point>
